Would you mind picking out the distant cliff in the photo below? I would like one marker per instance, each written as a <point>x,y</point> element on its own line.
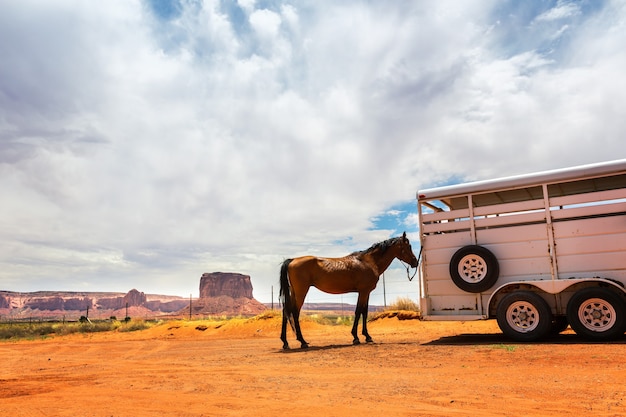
<point>222,293</point>
<point>58,303</point>
<point>226,293</point>
<point>230,284</point>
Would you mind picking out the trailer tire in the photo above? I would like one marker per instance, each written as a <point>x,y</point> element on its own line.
<point>524,316</point>
<point>597,314</point>
<point>474,269</point>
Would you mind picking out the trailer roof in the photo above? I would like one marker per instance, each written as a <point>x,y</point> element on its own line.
<point>527,180</point>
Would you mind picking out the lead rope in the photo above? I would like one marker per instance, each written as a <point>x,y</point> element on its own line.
<point>408,274</point>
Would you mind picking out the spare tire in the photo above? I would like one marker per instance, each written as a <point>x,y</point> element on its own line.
<point>474,269</point>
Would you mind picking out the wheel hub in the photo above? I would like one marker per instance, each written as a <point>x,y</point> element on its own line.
<point>472,268</point>
<point>597,315</point>
<point>522,316</point>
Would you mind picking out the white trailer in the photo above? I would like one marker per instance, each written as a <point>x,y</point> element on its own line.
<point>537,252</point>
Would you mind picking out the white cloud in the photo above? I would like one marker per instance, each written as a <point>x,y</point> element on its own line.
<point>247,5</point>
<point>562,10</point>
<point>266,23</point>
<point>141,150</point>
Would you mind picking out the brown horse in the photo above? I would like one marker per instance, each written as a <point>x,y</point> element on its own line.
<point>357,272</point>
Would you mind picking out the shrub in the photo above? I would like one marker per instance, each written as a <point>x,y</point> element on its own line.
<point>17,330</point>
<point>329,319</point>
<point>25,330</point>
<point>134,325</point>
<point>405,304</point>
<point>95,327</point>
<point>268,314</point>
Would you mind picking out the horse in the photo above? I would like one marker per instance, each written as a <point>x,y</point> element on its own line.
<point>356,272</point>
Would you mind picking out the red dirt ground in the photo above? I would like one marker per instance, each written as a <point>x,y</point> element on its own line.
<point>238,368</point>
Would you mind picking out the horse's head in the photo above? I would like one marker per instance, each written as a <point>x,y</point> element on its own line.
<point>405,253</point>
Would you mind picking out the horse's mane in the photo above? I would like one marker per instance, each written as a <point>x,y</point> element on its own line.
<point>383,246</point>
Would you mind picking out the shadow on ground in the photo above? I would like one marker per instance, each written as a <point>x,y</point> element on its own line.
<point>498,338</point>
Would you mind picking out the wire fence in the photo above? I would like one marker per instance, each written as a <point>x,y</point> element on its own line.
<point>391,287</point>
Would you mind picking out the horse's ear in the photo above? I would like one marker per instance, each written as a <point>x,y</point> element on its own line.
<point>404,235</point>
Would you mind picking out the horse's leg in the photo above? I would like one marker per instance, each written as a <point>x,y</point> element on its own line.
<point>361,311</point>
<point>283,333</point>
<point>355,326</point>
<point>296,317</point>
<point>368,338</point>
<point>303,343</point>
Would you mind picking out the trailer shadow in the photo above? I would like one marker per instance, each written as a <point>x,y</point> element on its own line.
<point>498,338</point>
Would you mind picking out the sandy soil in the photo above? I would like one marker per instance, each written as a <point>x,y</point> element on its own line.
<point>239,369</point>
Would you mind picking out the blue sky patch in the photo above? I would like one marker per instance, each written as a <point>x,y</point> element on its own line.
<point>397,218</point>
<point>165,9</point>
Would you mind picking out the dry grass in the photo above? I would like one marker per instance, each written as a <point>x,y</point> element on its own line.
<point>403,308</point>
<point>17,331</point>
<point>404,304</point>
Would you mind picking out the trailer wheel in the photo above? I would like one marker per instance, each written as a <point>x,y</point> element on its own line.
<point>524,316</point>
<point>474,269</point>
<point>597,314</point>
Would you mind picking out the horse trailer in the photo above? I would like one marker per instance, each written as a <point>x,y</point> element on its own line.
<point>537,252</point>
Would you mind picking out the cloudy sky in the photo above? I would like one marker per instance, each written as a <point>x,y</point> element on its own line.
<point>143,143</point>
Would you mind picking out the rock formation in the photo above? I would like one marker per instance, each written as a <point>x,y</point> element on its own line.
<point>226,293</point>
<point>4,302</point>
<point>58,304</point>
<point>220,294</point>
<point>133,298</point>
<point>230,284</point>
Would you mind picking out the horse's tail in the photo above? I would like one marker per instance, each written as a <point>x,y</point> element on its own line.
<point>285,293</point>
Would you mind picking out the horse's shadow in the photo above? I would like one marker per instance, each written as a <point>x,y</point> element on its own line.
<point>323,348</point>
<point>467,339</point>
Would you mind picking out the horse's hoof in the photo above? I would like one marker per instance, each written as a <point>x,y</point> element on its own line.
<point>286,347</point>
<point>369,340</point>
<point>356,342</point>
<point>304,346</point>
